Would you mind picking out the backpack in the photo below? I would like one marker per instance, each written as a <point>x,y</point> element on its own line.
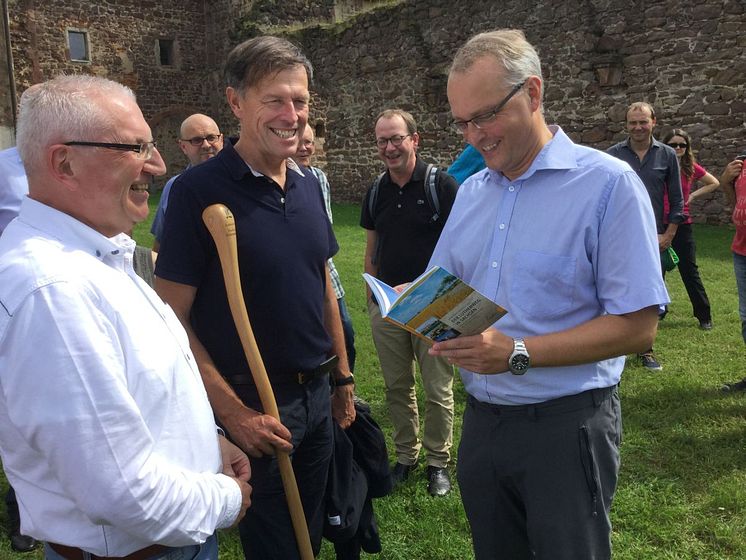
<point>431,192</point>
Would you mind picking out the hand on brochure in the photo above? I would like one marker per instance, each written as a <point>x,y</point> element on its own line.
<point>486,352</point>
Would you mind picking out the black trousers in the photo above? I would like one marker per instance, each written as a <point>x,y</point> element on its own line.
<point>685,247</point>
<point>537,481</point>
<point>266,530</point>
<point>11,505</point>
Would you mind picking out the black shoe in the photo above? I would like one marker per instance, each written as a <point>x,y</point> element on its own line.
<point>737,387</point>
<point>22,543</point>
<point>705,325</point>
<point>648,361</point>
<point>400,472</point>
<point>438,481</point>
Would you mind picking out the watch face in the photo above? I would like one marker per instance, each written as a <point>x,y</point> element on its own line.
<point>519,363</point>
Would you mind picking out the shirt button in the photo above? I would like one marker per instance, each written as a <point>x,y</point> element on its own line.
<point>511,188</point>
<point>282,200</point>
<point>494,264</point>
<point>398,205</point>
<point>502,226</point>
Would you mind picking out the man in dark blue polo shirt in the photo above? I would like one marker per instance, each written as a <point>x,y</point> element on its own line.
<point>656,165</point>
<point>284,240</point>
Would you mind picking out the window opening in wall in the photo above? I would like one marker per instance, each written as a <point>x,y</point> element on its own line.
<point>77,44</point>
<point>166,52</point>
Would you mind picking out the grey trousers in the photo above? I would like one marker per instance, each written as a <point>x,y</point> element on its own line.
<point>537,481</point>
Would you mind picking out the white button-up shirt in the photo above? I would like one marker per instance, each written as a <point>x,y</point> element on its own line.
<point>106,432</point>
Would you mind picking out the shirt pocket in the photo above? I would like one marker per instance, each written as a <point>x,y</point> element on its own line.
<point>543,285</point>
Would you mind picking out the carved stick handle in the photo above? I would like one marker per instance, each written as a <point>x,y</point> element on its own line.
<point>222,226</point>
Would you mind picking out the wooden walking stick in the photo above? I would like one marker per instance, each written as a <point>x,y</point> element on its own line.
<point>219,221</point>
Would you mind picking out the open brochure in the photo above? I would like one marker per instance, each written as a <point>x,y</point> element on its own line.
<point>436,306</point>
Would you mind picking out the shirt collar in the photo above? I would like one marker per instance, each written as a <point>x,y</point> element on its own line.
<point>75,234</point>
<point>418,173</point>
<point>237,167</point>
<point>558,153</point>
<point>654,144</point>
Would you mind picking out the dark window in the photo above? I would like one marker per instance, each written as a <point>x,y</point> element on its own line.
<point>166,52</point>
<point>77,42</point>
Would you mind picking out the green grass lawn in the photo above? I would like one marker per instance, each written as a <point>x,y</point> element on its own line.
<point>682,490</point>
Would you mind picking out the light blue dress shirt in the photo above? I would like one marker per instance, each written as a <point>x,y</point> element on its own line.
<point>571,239</point>
<point>13,186</point>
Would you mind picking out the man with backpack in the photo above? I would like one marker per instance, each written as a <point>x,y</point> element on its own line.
<point>404,212</point>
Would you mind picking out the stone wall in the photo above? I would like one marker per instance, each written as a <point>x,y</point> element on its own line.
<point>686,57</point>
<point>123,37</point>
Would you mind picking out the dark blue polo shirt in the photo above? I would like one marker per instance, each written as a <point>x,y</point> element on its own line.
<point>284,239</point>
<point>403,223</point>
<point>659,172</point>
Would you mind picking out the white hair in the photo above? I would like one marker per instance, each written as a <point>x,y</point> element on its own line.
<point>61,110</point>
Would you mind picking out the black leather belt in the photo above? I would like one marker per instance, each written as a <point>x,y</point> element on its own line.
<point>301,377</point>
<point>73,553</point>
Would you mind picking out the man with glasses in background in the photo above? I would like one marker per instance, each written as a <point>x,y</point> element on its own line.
<point>403,221</point>
<point>563,237</point>
<point>199,139</point>
<point>106,431</point>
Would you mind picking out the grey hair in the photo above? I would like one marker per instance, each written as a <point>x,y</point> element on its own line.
<point>60,110</point>
<point>509,47</point>
<point>253,60</point>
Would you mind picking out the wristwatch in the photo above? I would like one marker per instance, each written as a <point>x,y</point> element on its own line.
<point>349,380</point>
<point>519,360</point>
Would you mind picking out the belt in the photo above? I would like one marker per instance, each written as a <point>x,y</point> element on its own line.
<point>72,553</point>
<point>301,377</point>
<point>561,405</point>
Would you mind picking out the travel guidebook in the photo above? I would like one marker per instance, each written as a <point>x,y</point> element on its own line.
<point>436,306</point>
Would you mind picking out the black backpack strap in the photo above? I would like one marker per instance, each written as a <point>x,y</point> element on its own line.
<point>373,198</point>
<point>431,191</point>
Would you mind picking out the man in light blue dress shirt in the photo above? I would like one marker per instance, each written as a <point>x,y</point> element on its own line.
<point>564,238</point>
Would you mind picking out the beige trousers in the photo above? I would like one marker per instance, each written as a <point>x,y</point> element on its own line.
<point>397,351</point>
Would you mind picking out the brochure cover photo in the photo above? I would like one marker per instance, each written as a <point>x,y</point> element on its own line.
<point>436,306</point>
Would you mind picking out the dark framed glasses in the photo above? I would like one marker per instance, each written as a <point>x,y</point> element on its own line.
<point>480,121</point>
<point>681,145</point>
<point>144,150</point>
<point>197,140</point>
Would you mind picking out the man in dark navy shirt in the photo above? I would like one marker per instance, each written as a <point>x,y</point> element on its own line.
<point>284,240</point>
<point>656,165</point>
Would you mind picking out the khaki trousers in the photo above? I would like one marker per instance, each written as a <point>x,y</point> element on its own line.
<point>397,350</point>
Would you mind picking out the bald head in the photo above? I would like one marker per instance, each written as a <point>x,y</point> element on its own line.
<point>200,138</point>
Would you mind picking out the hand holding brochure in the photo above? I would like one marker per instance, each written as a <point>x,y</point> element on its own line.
<point>436,306</point>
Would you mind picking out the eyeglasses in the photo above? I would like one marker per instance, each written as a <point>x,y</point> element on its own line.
<point>395,141</point>
<point>485,118</point>
<point>144,151</point>
<point>678,145</point>
<point>197,140</point>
